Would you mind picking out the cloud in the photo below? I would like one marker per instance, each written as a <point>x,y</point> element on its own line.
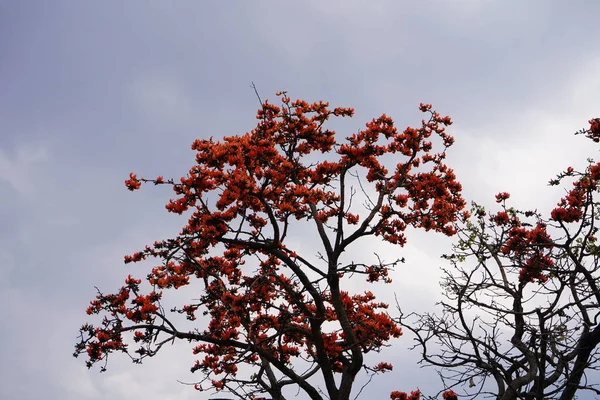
<point>95,94</point>
<point>160,97</point>
<point>18,167</point>
<point>521,154</point>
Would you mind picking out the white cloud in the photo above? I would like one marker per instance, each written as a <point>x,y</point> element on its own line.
<point>76,381</point>
<point>584,85</point>
<point>522,154</point>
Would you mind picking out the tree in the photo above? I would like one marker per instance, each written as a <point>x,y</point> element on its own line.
<point>282,315</point>
<point>522,299</point>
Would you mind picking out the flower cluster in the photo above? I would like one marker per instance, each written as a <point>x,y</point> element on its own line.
<point>531,247</point>
<point>593,132</point>
<point>414,395</point>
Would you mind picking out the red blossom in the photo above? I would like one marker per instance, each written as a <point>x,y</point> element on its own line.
<point>383,367</point>
<point>501,218</point>
<point>594,130</point>
<point>449,395</point>
<point>500,197</point>
<point>414,395</point>
<point>595,171</point>
<point>133,182</point>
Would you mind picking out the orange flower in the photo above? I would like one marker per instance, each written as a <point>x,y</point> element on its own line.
<point>133,183</point>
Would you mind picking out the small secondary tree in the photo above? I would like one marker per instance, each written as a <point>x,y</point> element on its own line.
<point>522,307</point>
<point>268,307</point>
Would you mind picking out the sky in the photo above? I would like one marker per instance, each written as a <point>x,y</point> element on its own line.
<point>90,91</point>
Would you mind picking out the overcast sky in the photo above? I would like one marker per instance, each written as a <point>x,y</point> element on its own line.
<point>92,90</point>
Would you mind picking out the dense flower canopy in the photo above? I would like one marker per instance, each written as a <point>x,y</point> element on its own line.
<point>267,306</point>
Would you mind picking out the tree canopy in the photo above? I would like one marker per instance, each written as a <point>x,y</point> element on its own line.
<point>269,317</point>
<point>521,314</point>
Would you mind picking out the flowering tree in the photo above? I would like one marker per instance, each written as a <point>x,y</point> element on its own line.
<point>522,299</point>
<point>284,316</point>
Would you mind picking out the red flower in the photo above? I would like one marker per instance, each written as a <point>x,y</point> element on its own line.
<point>383,367</point>
<point>502,196</point>
<point>501,218</point>
<point>449,395</point>
<point>133,183</point>
<point>414,395</point>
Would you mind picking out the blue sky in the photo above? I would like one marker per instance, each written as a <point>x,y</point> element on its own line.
<point>90,91</point>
